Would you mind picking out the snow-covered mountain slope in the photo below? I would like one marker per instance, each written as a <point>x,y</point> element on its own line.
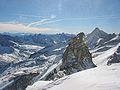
<point>20,54</point>
<point>95,37</point>
<point>19,51</point>
<point>20,47</point>
<point>102,58</point>
<point>113,41</point>
<point>15,65</point>
<point>99,78</point>
<point>98,37</point>
<point>26,58</point>
<point>103,51</point>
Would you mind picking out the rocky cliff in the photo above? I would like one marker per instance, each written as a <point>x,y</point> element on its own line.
<point>76,56</point>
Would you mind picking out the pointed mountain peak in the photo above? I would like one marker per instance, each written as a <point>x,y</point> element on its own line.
<point>95,36</point>
<point>98,31</point>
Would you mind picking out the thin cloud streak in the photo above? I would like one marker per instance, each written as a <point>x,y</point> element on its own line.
<point>46,22</point>
<point>38,22</point>
<point>42,21</point>
<point>49,21</point>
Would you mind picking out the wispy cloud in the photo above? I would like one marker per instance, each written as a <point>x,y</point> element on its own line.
<point>53,20</point>
<point>45,22</point>
<point>8,27</point>
<point>42,21</point>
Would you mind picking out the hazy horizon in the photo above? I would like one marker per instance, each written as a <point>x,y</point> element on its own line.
<point>28,33</point>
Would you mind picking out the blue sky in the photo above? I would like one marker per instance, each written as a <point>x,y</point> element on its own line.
<point>56,16</point>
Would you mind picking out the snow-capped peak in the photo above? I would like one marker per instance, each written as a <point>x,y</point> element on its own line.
<point>94,36</point>
<point>97,32</point>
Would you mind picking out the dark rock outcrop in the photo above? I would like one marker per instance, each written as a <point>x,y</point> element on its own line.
<point>115,58</point>
<point>76,56</point>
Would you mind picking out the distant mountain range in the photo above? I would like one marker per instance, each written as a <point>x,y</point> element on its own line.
<point>34,57</point>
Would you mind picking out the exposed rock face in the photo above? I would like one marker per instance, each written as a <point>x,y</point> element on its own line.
<point>115,58</point>
<point>76,56</point>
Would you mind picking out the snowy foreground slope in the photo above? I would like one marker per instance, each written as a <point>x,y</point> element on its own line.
<point>99,78</point>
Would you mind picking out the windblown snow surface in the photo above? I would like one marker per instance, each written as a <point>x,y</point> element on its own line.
<point>102,77</point>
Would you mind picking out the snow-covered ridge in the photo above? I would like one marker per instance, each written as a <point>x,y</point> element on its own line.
<point>103,58</point>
